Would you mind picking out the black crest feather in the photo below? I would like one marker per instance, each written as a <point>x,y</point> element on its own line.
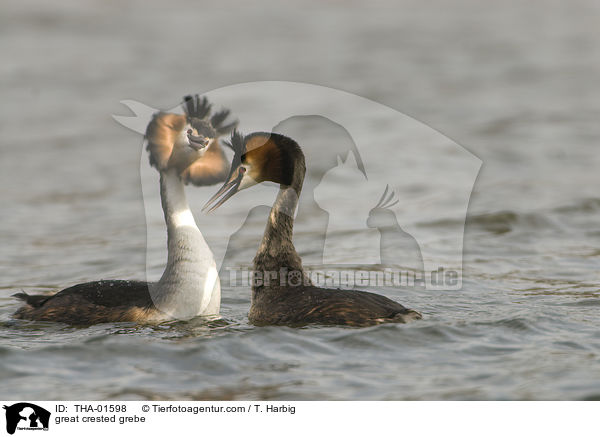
<point>237,143</point>
<point>196,106</point>
<point>218,119</point>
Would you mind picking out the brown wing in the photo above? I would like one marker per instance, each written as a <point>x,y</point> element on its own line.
<point>211,168</point>
<point>91,303</point>
<point>161,134</point>
<point>327,307</point>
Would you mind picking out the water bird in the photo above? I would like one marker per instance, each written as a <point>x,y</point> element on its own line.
<point>282,293</point>
<point>183,148</point>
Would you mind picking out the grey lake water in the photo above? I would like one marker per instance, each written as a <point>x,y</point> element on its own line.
<point>515,83</point>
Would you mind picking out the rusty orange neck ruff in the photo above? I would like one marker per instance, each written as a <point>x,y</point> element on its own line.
<point>276,257</point>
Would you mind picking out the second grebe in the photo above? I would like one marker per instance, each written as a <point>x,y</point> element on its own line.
<point>282,294</point>
<point>178,146</point>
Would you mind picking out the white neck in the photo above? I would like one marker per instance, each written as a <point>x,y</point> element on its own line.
<point>175,206</point>
<point>190,283</point>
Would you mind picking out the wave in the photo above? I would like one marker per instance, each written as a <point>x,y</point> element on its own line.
<point>504,221</point>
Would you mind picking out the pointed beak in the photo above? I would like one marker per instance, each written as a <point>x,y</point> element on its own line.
<point>226,191</point>
<point>197,142</point>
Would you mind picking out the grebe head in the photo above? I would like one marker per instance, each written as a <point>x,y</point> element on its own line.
<point>198,131</point>
<point>198,111</point>
<point>179,140</point>
<point>381,216</point>
<point>260,157</point>
<point>174,141</point>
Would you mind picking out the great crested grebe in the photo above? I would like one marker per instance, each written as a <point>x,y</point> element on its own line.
<point>282,294</point>
<point>180,146</point>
